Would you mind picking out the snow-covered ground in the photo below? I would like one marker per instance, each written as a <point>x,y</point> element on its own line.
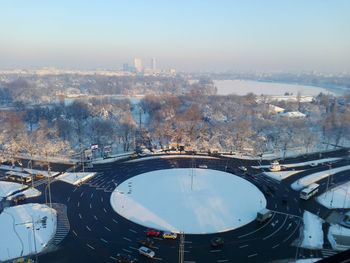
<point>75,178</point>
<point>339,237</point>
<point>27,170</point>
<point>313,233</point>
<point>307,260</point>
<point>171,156</point>
<point>281,175</point>
<point>313,178</point>
<point>165,200</point>
<point>25,229</point>
<point>7,188</point>
<point>30,192</point>
<point>293,165</point>
<point>338,197</point>
<point>113,158</point>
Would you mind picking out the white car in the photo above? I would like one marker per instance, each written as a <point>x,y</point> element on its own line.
<point>243,168</point>
<point>203,166</point>
<point>145,251</point>
<point>169,235</point>
<point>314,164</point>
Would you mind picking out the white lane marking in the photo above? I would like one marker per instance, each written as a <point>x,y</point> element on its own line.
<point>102,199</point>
<point>92,195</point>
<point>75,189</point>
<point>113,258</point>
<point>75,233</point>
<point>132,230</point>
<point>82,193</point>
<point>126,250</point>
<point>243,246</point>
<point>68,199</point>
<point>252,255</point>
<point>90,246</point>
<point>222,260</point>
<point>90,206</point>
<point>127,239</point>
<point>95,217</point>
<point>115,221</point>
<point>103,240</point>
<point>275,246</point>
<point>78,204</point>
<point>278,229</point>
<point>104,209</point>
<point>108,229</point>
<point>80,216</point>
<point>215,250</point>
<point>88,228</point>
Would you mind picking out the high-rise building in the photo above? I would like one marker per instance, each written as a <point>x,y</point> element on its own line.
<point>153,64</point>
<point>126,67</point>
<point>137,64</point>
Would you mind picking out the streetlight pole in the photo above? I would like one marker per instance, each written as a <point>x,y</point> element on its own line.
<point>182,248</point>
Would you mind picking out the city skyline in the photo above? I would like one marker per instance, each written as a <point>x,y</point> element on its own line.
<point>186,35</point>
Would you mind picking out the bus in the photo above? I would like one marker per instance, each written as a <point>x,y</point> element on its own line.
<point>18,177</point>
<point>309,191</point>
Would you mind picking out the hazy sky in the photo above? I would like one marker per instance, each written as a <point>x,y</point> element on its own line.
<point>184,34</point>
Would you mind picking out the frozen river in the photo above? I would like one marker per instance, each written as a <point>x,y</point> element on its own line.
<point>242,87</point>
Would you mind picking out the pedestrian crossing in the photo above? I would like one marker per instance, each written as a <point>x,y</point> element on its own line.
<point>63,225</point>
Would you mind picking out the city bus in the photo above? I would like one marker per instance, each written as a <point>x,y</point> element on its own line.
<point>18,177</point>
<point>309,191</point>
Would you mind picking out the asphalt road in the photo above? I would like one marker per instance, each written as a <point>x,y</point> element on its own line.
<point>98,233</point>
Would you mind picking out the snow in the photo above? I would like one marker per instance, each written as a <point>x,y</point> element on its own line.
<point>75,178</point>
<point>281,175</point>
<point>313,178</point>
<point>293,114</point>
<point>307,260</point>
<point>30,192</point>
<point>164,200</point>
<point>339,237</point>
<point>313,233</point>
<point>113,158</point>
<point>17,232</point>
<point>338,197</point>
<point>7,188</point>
<point>292,165</point>
<point>27,170</point>
<point>243,87</point>
<point>170,156</point>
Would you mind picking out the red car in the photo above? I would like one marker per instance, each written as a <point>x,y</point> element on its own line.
<point>152,233</point>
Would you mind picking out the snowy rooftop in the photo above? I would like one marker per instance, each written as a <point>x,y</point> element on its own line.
<point>165,200</point>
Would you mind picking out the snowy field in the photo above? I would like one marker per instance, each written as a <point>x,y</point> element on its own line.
<point>293,165</point>
<point>171,156</point>
<point>164,200</point>
<point>242,87</point>
<point>18,235</point>
<point>313,233</point>
<point>281,175</point>
<point>338,197</point>
<point>75,178</point>
<point>7,188</point>
<point>313,178</point>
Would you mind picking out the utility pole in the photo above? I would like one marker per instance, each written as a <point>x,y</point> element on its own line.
<point>34,236</point>
<point>182,248</point>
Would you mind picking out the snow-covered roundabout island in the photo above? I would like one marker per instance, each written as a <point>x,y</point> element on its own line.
<point>193,201</point>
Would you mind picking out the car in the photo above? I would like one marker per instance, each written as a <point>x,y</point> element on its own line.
<point>145,251</point>
<point>152,233</point>
<point>124,258</point>
<point>148,242</point>
<point>18,198</point>
<point>203,166</point>
<point>217,242</point>
<point>243,168</point>
<point>313,164</point>
<point>169,235</point>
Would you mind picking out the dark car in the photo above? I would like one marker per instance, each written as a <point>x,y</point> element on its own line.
<point>18,198</point>
<point>148,242</point>
<point>217,242</point>
<point>124,258</point>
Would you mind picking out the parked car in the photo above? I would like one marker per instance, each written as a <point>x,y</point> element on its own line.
<point>148,242</point>
<point>18,198</point>
<point>124,258</point>
<point>153,233</point>
<point>145,251</point>
<point>169,235</point>
<point>217,242</point>
<point>313,164</point>
<point>203,166</point>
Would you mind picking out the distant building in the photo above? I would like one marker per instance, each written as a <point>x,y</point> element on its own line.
<point>153,64</point>
<point>137,64</point>
<point>293,114</point>
<point>126,67</point>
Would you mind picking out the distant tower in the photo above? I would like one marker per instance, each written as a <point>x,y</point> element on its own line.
<point>153,64</point>
<point>126,67</point>
<point>137,64</point>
